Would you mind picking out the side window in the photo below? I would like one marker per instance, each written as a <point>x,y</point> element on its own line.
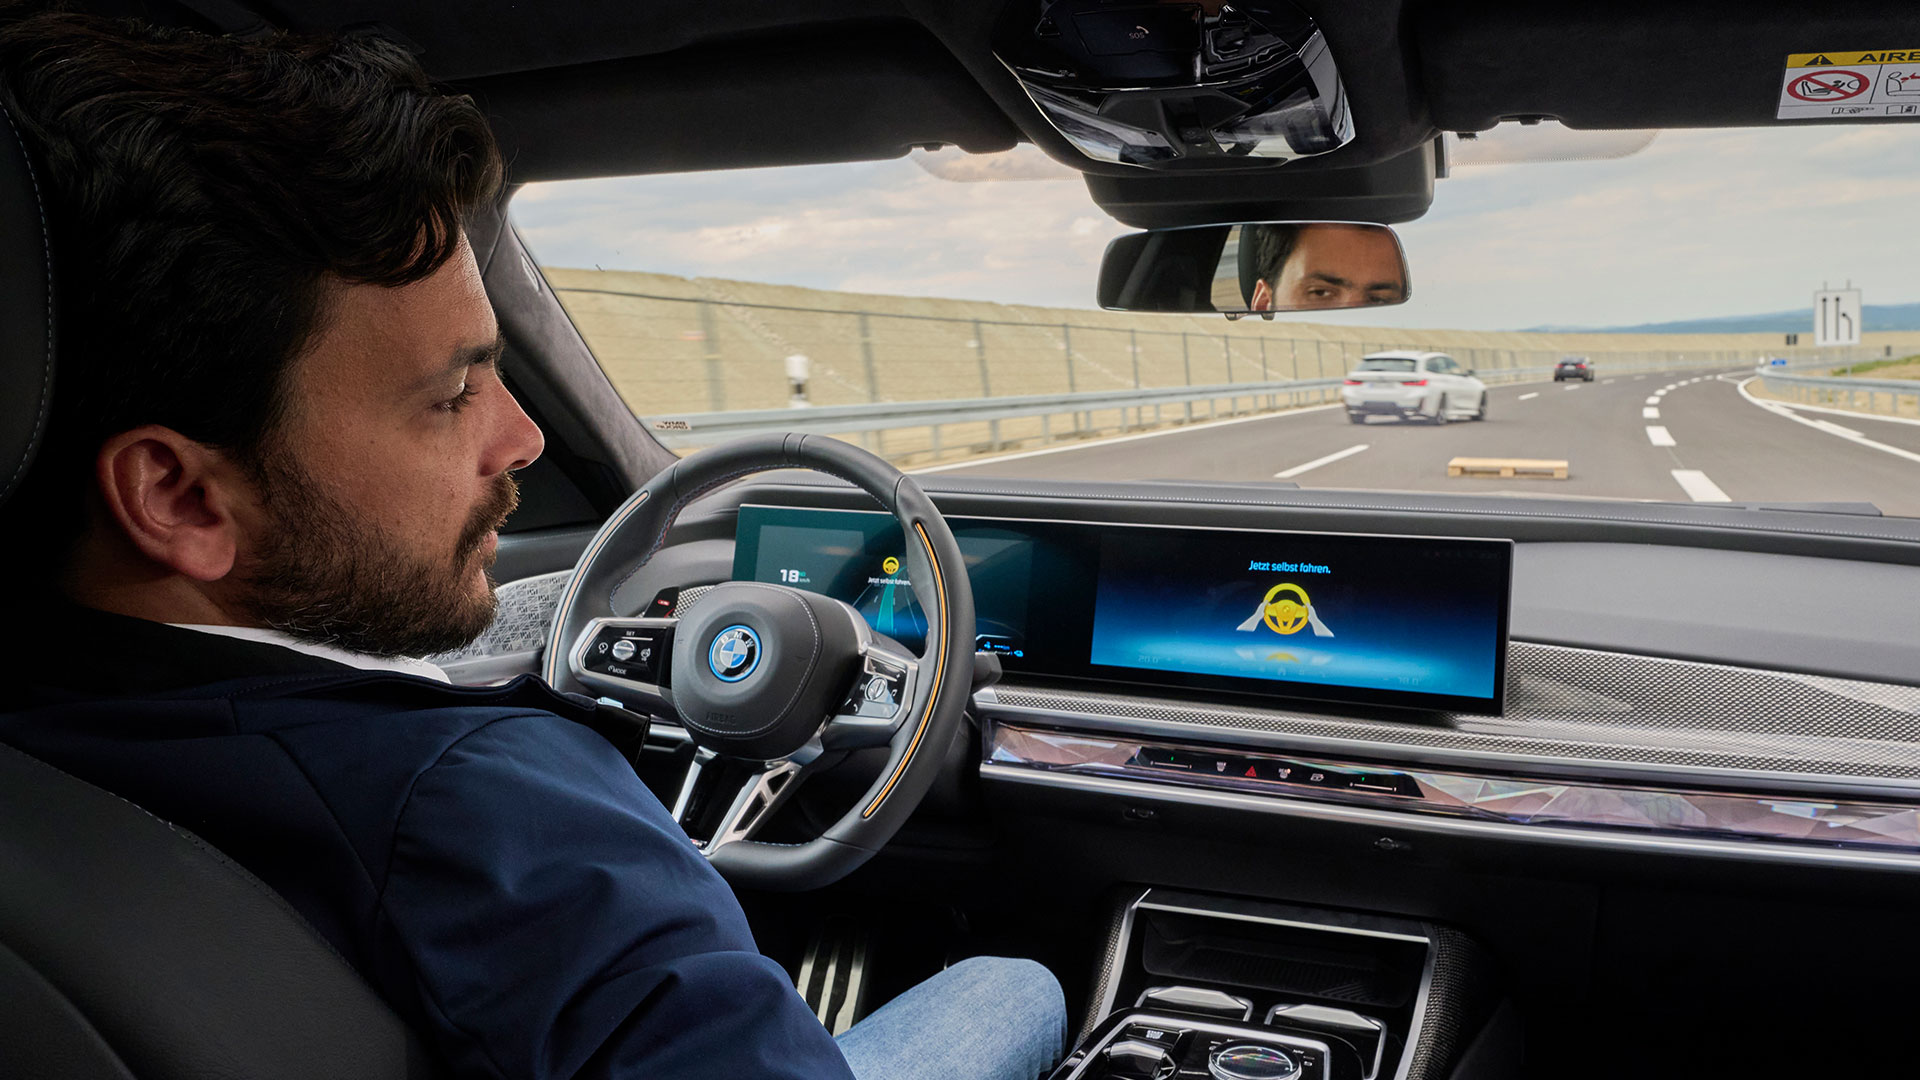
<point>1440,365</point>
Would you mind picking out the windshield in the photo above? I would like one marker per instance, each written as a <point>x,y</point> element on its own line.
<point>839,298</point>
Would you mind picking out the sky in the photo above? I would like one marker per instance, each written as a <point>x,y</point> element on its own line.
<point>1696,224</point>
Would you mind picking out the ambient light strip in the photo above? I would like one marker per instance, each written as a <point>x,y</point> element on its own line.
<point>939,674</point>
<point>1512,800</point>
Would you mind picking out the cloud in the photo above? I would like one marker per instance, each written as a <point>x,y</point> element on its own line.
<point>881,227</point>
<point>1698,223</point>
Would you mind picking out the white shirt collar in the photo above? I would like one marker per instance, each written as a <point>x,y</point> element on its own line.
<point>403,665</point>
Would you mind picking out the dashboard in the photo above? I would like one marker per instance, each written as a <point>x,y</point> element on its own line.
<point>1626,678</point>
<point>1414,622</point>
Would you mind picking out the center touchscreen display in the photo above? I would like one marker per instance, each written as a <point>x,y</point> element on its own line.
<point>1408,621</point>
<point>1384,614</point>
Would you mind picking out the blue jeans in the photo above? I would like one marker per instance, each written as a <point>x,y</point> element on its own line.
<point>986,1018</point>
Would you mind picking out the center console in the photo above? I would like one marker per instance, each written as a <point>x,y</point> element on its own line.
<point>1201,987</point>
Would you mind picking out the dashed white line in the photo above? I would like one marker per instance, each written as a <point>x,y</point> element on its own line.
<point>1670,386</point>
<point>1654,400</point>
<point>1524,397</point>
<point>1637,378</point>
<point>1649,413</point>
<point>1604,382</point>
<point>1698,487</point>
<point>1575,386</point>
<point>1288,474</point>
<point>1658,436</point>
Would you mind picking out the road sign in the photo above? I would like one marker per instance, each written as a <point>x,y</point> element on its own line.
<point>1778,361</point>
<point>1836,317</point>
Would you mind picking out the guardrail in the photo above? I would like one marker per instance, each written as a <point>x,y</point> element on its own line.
<point>1844,391</point>
<point>1082,414</point>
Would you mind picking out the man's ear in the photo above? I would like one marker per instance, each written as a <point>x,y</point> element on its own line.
<point>1262,299</point>
<point>173,498</point>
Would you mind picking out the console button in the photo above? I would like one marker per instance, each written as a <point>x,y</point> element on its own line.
<point>1138,1060</point>
<point>1383,783</point>
<point>1165,1037</point>
<point>628,652</point>
<point>877,689</point>
<point>1252,1061</point>
<point>1196,999</point>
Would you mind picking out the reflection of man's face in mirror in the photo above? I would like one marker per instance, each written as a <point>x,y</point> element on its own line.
<point>1330,266</point>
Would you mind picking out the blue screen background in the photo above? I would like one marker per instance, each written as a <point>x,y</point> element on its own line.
<point>1400,620</point>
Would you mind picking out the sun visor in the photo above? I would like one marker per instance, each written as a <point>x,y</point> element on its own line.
<point>1723,63</point>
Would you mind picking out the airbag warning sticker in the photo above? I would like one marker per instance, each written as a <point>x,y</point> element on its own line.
<point>1851,85</point>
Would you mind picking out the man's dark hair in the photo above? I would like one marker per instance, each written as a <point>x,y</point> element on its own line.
<point>205,195</point>
<point>1265,249</point>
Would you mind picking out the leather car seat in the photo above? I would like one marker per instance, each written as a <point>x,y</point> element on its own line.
<point>128,947</point>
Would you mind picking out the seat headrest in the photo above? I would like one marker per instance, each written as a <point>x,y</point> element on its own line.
<point>26,310</point>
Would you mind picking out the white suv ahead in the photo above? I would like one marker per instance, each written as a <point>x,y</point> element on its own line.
<point>1407,384</point>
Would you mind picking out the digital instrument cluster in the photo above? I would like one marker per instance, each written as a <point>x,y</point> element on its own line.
<point>1386,620</point>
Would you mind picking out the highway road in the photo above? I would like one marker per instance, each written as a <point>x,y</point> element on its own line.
<point>1667,436</point>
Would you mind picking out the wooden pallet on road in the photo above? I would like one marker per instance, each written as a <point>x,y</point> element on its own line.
<point>1508,468</point>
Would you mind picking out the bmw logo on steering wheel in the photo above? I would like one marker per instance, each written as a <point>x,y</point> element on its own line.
<point>734,654</point>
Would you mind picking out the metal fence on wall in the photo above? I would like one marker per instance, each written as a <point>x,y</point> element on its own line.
<point>681,361</point>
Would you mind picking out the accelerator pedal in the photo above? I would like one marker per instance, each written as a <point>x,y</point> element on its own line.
<point>833,976</point>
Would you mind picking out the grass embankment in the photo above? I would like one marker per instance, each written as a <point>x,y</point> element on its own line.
<point>1865,402</point>
<point>1906,367</point>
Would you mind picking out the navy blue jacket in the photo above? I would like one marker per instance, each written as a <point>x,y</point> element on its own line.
<point>482,856</point>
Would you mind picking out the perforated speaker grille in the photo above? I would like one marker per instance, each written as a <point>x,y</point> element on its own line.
<point>1602,706</point>
<point>687,597</point>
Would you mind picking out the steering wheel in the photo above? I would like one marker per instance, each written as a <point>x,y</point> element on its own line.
<point>768,680</point>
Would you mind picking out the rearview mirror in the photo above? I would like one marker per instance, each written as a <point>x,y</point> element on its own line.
<point>1254,268</point>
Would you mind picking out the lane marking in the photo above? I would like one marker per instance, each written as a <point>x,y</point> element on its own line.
<point>1698,487</point>
<point>1658,436</point>
<point>1843,432</point>
<point>1637,378</point>
<point>1288,474</point>
<point>1854,413</point>
<point>1575,386</point>
<point>1524,397</point>
<point>1604,382</point>
<point>1654,400</point>
<point>1110,441</point>
<point>1649,413</point>
<point>1099,443</point>
<point>1821,425</point>
<point>1670,386</point>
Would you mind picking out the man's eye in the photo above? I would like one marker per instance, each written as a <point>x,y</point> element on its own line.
<point>460,400</point>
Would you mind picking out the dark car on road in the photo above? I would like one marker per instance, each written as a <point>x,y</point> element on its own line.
<point>1573,367</point>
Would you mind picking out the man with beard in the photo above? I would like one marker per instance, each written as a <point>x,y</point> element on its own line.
<point>278,452</point>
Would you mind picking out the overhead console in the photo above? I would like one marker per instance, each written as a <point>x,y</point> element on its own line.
<point>1415,623</point>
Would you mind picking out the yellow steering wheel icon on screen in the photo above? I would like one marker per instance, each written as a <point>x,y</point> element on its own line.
<point>1282,613</point>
